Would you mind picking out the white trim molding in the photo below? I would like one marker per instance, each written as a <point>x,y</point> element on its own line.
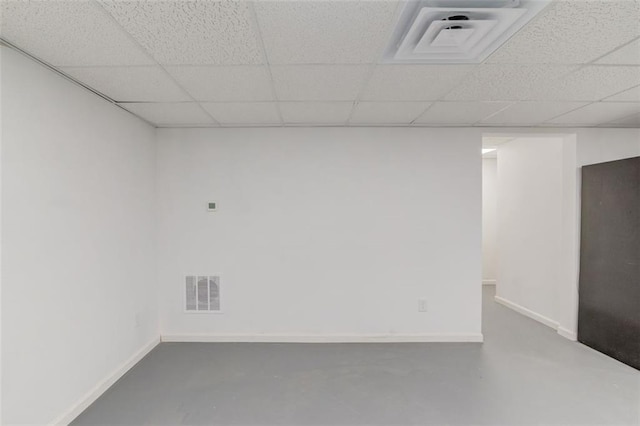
<point>568,334</point>
<point>91,396</point>
<point>564,332</point>
<point>326,338</point>
<point>527,312</point>
<point>488,282</point>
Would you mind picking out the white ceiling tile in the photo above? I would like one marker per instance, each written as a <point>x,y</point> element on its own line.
<point>598,113</point>
<point>591,83</point>
<point>191,32</point>
<point>573,31</point>
<point>130,84</point>
<point>170,113</point>
<point>630,121</point>
<point>325,32</point>
<point>68,33</point>
<point>631,95</point>
<point>249,113</point>
<point>414,82</point>
<point>224,83</point>
<point>387,112</point>
<point>315,112</point>
<point>531,113</point>
<point>459,112</point>
<point>319,82</point>
<point>626,55</point>
<point>506,82</point>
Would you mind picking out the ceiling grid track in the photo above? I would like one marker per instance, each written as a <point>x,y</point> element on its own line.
<point>554,71</point>
<point>594,62</point>
<point>265,58</point>
<point>373,66</point>
<point>625,90</point>
<point>150,56</point>
<point>479,122</point>
<point>69,78</point>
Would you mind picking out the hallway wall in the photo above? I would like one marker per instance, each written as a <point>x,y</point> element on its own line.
<point>530,196</point>
<point>489,220</point>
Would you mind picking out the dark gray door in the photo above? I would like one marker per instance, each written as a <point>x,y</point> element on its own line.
<point>609,307</point>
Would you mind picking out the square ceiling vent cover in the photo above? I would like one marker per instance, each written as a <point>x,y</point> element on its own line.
<point>456,31</point>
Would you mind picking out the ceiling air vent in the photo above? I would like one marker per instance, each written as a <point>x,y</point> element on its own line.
<point>456,31</point>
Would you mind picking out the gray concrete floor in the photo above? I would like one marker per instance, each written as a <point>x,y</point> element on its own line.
<point>524,373</point>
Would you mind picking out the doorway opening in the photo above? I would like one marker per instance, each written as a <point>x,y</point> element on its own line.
<point>529,222</point>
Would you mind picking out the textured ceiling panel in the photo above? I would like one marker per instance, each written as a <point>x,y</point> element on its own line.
<point>170,113</point>
<point>626,55</point>
<point>631,95</point>
<point>459,112</point>
<point>591,83</point>
<point>493,82</point>
<point>573,31</point>
<point>630,121</point>
<point>387,112</point>
<point>319,82</point>
<point>130,84</point>
<point>325,32</point>
<point>191,32</point>
<point>315,112</point>
<point>70,33</point>
<point>598,113</point>
<point>240,113</point>
<point>323,56</point>
<point>531,113</point>
<point>414,82</point>
<point>225,83</point>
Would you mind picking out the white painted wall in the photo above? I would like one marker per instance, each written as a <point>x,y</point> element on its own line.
<point>1,132</point>
<point>78,277</point>
<point>322,231</point>
<point>601,145</point>
<point>530,194</point>
<point>489,219</point>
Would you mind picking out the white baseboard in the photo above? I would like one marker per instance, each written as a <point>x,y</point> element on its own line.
<point>568,334</point>
<point>101,387</point>
<point>564,332</point>
<point>333,338</point>
<point>527,312</point>
<point>488,282</point>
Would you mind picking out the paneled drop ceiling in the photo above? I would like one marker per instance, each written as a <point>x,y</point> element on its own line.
<point>273,63</point>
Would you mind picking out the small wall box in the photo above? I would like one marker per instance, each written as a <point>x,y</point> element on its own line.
<point>212,206</point>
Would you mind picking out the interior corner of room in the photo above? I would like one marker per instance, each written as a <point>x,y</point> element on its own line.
<point>292,233</point>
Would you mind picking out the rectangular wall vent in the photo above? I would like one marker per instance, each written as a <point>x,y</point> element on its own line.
<point>202,293</point>
<point>457,31</point>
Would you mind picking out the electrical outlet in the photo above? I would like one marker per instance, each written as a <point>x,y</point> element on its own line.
<point>422,305</point>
